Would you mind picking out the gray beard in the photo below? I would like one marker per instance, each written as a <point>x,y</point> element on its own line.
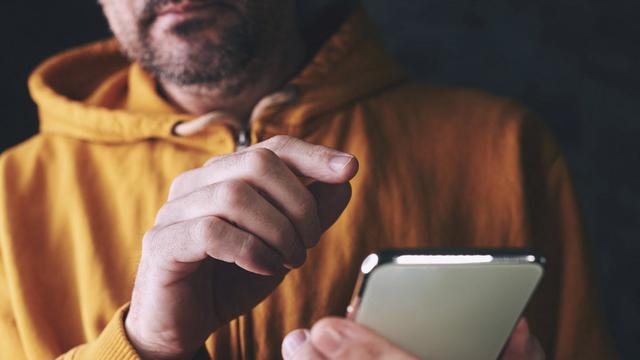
<point>205,64</point>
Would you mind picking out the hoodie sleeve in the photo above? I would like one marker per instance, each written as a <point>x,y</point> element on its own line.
<point>565,312</point>
<point>9,337</point>
<point>112,343</point>
<point>19,338</point>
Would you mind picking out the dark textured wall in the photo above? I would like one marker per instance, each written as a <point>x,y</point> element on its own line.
<point>575,63</point>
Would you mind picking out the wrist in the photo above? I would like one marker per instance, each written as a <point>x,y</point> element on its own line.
<point>155,347</point>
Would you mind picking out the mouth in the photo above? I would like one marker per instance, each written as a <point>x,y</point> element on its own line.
<point>190,7</point>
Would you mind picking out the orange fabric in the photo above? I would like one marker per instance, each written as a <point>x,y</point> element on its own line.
<point>439,167</point>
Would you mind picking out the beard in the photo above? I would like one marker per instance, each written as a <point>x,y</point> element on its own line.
<point>203,51</point>
<point>202,61</point>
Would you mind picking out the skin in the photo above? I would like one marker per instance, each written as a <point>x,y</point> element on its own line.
<point>229,233</point>
<point>233,228</point>
<point>222,58</point>
<point>336,338</point>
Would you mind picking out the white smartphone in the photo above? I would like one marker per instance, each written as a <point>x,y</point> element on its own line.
<point>448,305</point>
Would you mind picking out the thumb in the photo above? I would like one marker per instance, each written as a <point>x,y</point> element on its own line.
<point>522,344</point>
<point>332,199</point>
<point>338,338</point>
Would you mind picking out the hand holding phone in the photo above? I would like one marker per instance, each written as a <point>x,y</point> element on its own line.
<point>339,338</point>
<point>446,304</point>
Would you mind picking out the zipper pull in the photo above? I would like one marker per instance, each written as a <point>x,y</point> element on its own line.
<point>243,139</point>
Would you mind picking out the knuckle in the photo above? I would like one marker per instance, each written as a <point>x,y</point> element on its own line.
<point>178,185</point>
<point>211,160</point>
<point>150,240</point>
<point>211,233</point>
<point>307,206</point>
<point>279,141</point>
<point>233,193</point>
<point>284,234</point>
<point>250,250</point>
<point>253,252</point>
<point>205,229</point>
<point>162,214</point>
<point>260,161</point>
<point>207,194</point>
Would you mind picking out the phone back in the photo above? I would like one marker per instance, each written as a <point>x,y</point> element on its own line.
<point>450,311</point>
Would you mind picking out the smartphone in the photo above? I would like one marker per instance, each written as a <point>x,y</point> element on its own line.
<point>446,304</point>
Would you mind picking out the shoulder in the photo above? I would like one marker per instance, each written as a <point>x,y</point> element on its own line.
<point>27,165</point>
<point>464,137</point>
<point>16,157</point>
<point>450,105</point>
<point>462,120</point>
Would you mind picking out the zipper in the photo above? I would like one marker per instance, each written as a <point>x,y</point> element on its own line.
<point>243,139</point>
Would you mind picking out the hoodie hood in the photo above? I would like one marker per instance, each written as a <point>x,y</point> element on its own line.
<point>95,94</point>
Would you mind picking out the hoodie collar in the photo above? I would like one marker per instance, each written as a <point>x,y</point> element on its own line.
<point>93,93</point>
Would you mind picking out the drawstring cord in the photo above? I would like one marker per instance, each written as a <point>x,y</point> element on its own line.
<point>285,96</point>
<point>189,128</point>
<point>192,127</point>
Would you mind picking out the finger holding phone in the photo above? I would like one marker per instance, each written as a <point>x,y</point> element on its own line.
<point>336,338</point>
<point>434,304</point>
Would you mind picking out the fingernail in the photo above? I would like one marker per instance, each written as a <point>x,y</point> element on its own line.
<point>337,163</point>
<point>329,340</point>
<point>293,341</point>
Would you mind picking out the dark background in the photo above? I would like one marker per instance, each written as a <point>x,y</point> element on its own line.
<point>573,62</point>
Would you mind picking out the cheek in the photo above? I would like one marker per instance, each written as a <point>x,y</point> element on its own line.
<point>121,16</point>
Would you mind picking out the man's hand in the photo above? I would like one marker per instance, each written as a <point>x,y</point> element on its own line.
<point>336,338</point>
<point>227,236</point>
<point>522,345</point>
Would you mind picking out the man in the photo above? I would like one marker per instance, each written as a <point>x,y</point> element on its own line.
<point>212,167</point>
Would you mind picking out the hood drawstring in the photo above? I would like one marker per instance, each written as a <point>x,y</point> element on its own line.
<point>192,127</point>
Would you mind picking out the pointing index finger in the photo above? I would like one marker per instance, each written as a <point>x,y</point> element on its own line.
<point>314,161</point>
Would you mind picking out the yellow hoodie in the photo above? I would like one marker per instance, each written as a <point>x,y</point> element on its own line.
<point>439,167</point>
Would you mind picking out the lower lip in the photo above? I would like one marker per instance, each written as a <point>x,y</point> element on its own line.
<point>168,19</point>
<point>194,9</point>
